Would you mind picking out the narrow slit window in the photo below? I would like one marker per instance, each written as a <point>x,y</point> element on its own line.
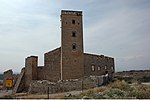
<point>74,47</point>
<point>73,34</point>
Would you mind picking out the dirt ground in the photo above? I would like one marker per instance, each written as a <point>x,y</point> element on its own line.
<point>45,96</point>
<point>5,92</point>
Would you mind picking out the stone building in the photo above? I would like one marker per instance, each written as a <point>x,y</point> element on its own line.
<point>68,61</point>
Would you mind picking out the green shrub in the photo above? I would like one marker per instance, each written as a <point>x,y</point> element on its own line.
<point>119,90</point>
<point>122,85</point>
<point>6,97</point>
<point>87,93</point>
<point>140,91</point>
<point>115,93</point>
<point>98,96</point>
<point>100,89</point>
<point>140,94</point>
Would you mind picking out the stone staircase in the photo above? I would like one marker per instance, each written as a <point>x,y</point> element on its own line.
<point>18,82</point>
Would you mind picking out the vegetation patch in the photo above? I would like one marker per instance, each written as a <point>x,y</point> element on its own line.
<point>117,90</point>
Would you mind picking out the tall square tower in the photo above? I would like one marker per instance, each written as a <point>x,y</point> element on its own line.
<point>72,57</point>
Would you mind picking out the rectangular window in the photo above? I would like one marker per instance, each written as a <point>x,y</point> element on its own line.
<point>73,21</point>
<point>73,34</point>
<point>74,46</point>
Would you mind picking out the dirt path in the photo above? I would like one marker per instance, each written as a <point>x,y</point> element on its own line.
<point>57,95</point>
<point>5,92</point>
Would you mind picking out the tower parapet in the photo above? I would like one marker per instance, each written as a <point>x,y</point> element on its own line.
<point>78,13</point>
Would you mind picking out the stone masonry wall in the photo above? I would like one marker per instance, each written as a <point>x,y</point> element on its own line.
<point>41,87</point>
<point>20,83</point>
<point>52,70</point>
<point>40,73</point>
<point>7,74</point>
<point>30,70</point>
<point>98,65</point>
<point>71,45</point>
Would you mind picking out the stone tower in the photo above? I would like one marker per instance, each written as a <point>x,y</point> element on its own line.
<point>72,57</point>
<point>30,69</point>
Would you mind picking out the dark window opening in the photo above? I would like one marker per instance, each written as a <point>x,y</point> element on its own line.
<point>74,46</point>
<point>106,72</point>
<point>73,34</point>
<point>73,21</point>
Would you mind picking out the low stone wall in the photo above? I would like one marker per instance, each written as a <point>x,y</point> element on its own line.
<point>41,87</point>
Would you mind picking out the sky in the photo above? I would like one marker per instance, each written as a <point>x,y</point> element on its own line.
<point>115,28</point>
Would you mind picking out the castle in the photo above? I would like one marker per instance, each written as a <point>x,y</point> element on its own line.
<point>68,61</point>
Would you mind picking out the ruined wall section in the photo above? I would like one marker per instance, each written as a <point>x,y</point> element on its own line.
<point>110,67</point>
<point>7,75</point>
<point>30,70</point>
<point>98,65</point>
<point>84,83</point>
<point>20,83</point>
<point>51,70</point>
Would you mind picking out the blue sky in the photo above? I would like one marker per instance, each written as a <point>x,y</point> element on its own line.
<point>116,28</point>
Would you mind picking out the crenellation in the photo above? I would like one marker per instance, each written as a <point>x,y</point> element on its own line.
<point>78,13</point>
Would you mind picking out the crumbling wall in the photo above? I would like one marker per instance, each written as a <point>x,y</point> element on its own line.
<point>30,69</point>
<point>98,65</point>
<point>7,75</point>
<point>20,83</point>
<point>41,87</point>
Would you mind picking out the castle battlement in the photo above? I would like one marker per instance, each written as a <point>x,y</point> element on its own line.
<point>66,12</point>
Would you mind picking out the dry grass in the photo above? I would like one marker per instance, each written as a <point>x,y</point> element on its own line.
<point>119,90</point>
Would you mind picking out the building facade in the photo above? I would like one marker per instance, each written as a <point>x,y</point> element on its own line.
<point>68,61</point>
